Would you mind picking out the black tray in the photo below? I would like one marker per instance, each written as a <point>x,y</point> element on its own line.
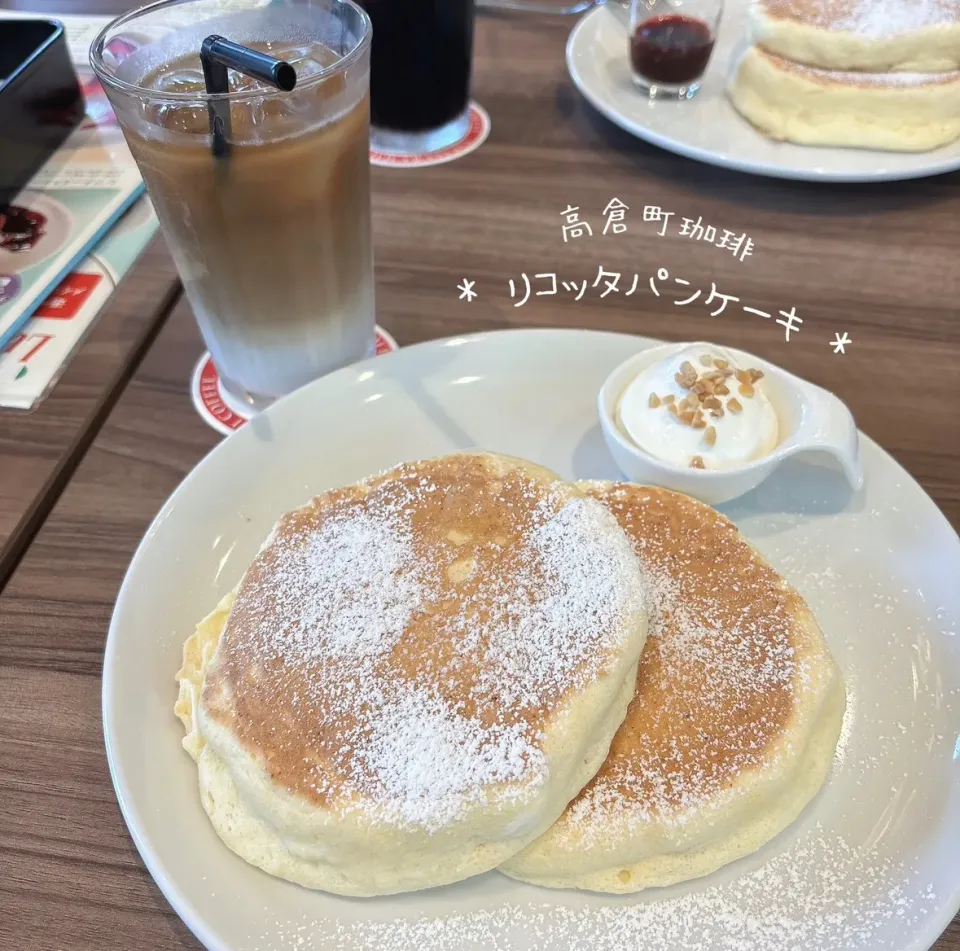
<point>40,99</point>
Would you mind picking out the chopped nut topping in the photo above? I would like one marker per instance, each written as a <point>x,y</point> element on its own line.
<point>687,375</point>
<point>697,463</point>
<point>706,388</point>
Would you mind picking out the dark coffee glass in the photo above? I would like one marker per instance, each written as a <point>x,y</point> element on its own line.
<point>420,73</point>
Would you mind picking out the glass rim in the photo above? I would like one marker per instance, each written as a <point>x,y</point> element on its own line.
<point>144,92</point>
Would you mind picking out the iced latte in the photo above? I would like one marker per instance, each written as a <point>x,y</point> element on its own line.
<point>272,239</point>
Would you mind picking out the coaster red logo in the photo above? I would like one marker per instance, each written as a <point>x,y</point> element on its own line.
<point>215,405</point>
<point>475,137</point>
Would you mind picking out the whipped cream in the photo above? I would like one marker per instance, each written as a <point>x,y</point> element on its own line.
<point>699,408</point>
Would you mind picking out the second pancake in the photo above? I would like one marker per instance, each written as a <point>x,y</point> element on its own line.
<point>733,725</point>
<point>898,112</point>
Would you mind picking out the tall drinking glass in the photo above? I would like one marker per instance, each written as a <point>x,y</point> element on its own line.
<point>271,235</point>
<point>420,82</point>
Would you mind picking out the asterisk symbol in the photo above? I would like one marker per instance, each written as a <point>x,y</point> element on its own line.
<point>466,290</point>
<point>841,342</point>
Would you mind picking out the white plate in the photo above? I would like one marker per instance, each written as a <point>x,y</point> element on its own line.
<point>708,128</point>
<point>56,231</point>
<point>878,848</point>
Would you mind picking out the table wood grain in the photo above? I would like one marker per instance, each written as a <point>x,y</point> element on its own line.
<point>876,262</point>
<point>39,450</point>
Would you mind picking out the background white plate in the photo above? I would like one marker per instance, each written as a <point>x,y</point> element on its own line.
<point>708,128</point>
<point>872,863</point>
<point>56,231</point>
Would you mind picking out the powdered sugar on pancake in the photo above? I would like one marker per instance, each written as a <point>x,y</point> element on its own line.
<point>346,590</point>
<point>430,761</point>
<point>880,80</point>
<point>717,674</point>
<point>526,620</point>
<point>674,778</point>
<point>877,18</point>
<point>870,18</point>
<point>396,647</point>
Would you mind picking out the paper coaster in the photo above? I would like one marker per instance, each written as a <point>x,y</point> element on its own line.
<point>478,132</point>
<point>220,410</point>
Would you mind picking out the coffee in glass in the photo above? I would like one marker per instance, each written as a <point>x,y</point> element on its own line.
<point>420,73</point>
<point>272,239</point>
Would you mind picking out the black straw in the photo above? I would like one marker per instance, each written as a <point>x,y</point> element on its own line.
<point>217,55</point>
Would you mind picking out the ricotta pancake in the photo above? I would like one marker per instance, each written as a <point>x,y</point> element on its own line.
<point>415,676</point>
<point>898,112</point>
<point>880,36</point>
<point>734,723</point>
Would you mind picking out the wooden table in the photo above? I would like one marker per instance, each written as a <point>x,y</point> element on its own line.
<point>876,262</point>
<point>40,450</point>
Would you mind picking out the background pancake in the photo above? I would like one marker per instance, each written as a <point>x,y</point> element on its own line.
<point>901,112</point>
<point>416,676</point>
<point>871,35</point>
<point>734,722</point>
